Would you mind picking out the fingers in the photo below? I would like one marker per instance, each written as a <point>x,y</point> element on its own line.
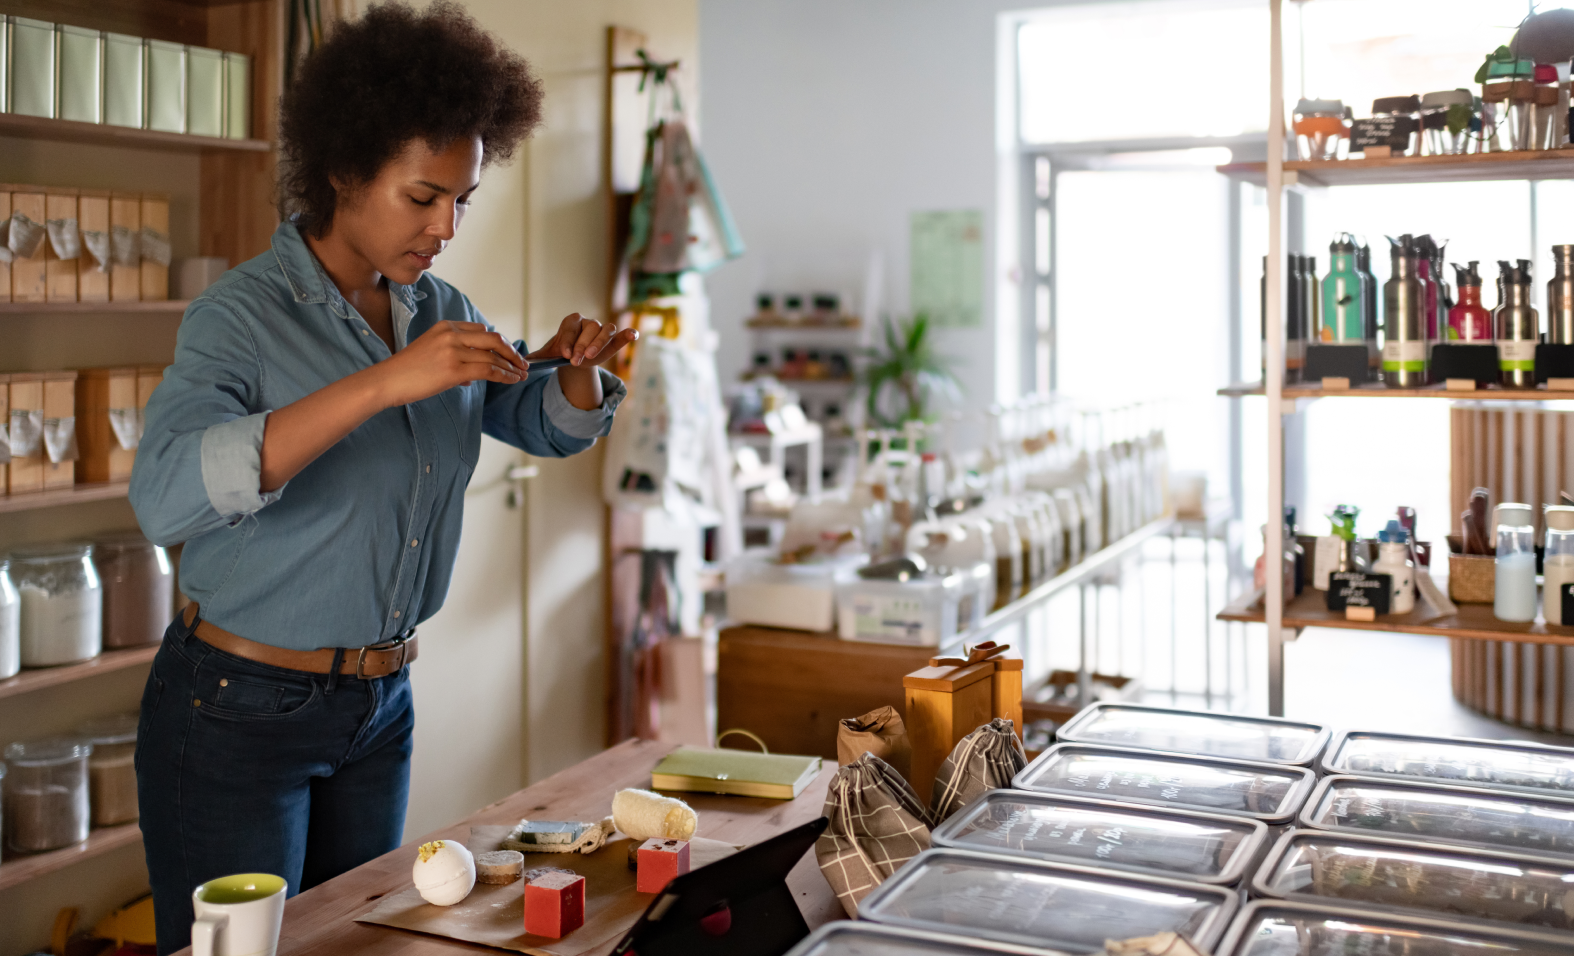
<point>616,344</point>
<point>589,332</point>
<point>603,336</point>
<point>492,343</point>
<point>568,335</point>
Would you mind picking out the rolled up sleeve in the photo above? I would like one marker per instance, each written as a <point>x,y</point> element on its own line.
<point>199,463</point>
<point>584,422</point>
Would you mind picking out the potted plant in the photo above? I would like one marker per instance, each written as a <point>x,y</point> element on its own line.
<point>902,378</point>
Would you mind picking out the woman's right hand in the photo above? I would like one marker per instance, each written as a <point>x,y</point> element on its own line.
<point>446,355</point>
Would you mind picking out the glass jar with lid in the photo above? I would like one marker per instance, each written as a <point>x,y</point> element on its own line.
<point>139,589</point>
<point>1557,564</point>
<point>62,604</point>
<point>1514,567</point>
<point>1445,122</point>
<point>10,623</point>
<point>1321,131</point>
<point>46,802</point>
<point>111,776</point>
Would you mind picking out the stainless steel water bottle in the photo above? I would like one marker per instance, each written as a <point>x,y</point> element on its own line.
<point>1518,326</point>
<point>1560,298</point>
<point>1404,319</point>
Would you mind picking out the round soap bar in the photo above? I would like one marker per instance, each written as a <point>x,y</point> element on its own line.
<point>499,866</point>
<point>444,872</point>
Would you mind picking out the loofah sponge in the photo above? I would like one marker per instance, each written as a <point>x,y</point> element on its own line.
<point>644,815</point>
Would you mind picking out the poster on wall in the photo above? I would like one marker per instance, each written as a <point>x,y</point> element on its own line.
<point>947,266</point>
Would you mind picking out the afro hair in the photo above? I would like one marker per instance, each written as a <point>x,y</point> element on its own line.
<point>393,76</point>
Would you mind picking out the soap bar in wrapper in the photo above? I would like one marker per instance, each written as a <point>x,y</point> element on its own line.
<point>25,236</point>
<point>64,237</point>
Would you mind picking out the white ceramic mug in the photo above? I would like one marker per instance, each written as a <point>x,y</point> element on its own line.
<point>238,915</point>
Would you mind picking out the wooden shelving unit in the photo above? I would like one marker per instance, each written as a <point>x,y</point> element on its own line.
<point>68,131</point>
<point>106,663</point>
<point>75,495</point>
<point>1491,393</point>
<point>161,307</point>
<point>1469,168</point>
<point>1472,622</point>
<point>16,870</point>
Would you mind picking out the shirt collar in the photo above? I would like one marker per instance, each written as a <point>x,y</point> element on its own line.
<point>310,284</point>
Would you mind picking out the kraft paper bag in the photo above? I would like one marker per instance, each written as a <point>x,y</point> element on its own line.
<point>879,732</point>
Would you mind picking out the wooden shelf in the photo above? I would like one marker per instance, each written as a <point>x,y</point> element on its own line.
<point>16,870</point>
<point>105,663</point>
<point>1491,393</point>
<point>69,131</point>
<point>165,306</point>
<point>1470,168</point>
<point>1473,622</point>
<point>76,494</point>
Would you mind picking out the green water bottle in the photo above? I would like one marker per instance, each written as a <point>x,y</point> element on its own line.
<point>1344,290</point>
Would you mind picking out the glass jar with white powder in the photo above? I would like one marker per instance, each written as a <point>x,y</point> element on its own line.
<point>10,623</point>
<point>62,603</point>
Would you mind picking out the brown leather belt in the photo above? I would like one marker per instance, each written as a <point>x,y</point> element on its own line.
<point>373,660</point>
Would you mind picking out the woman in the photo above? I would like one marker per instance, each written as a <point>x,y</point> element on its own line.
<point>311,446</point>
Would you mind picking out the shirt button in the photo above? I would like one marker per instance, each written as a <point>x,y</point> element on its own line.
<point>414,542</point>
<point>366,331</point>
<point>396,614</point>
<point>428,469</point>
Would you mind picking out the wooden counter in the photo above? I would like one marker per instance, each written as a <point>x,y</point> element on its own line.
<point>322,920</point>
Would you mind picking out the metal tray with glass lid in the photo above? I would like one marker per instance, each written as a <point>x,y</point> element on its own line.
<point>1501,820</point>
<point>1182,845</point>
<point>1046,905</point>
<point>1261,791</point>
<point>1288,742</point>
<point>1281,928</point>
<point>849,938</point>
<point>1462,761</point>
<point>1459,882</point>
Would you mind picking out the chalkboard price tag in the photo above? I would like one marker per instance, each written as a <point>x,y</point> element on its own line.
<point>1568,603</point>
<point>1348,589</point>
<point>1391,131</point>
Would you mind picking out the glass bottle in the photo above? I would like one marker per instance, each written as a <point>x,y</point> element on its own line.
<point>1469,320</point>
<point>1514,594</point>
<point>1557,563</point>
<point>1546,133</point>
<point>1393,559</point>
<point>1522,106</point>
<point>1496,77</point>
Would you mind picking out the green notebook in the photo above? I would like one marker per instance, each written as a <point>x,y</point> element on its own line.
<point>741,772</point>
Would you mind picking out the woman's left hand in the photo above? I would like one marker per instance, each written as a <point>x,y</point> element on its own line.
<point>586,343</point>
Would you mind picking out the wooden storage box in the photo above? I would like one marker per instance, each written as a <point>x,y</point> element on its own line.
<point>92,216</point>
<point>791,688</point>
<point>106,397</point>
<point>125,223</point>
<point>155,247</point>
<point>29,277</point>
<point>944,704</point>
<point>60,275</point>
<point>27,395</point>
<point>60,402</point>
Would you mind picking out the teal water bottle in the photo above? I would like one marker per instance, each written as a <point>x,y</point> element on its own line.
<point>1344,291</point>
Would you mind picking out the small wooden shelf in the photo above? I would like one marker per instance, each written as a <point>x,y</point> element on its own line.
<point>1473,621</point>
<point>69,131</point>
<point>1491,393</point>
<point>1470,168</point>
<point>161,307</point>
<point>105,663</point>
<point>16,870</point>
<point>76,494</point>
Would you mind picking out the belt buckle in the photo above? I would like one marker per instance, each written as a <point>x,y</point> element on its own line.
<point>402,642</point>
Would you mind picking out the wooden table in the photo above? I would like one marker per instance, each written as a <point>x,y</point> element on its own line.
<point>322,920</point>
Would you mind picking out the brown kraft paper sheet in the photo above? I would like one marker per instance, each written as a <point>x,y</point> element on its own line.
<point>495,915</point>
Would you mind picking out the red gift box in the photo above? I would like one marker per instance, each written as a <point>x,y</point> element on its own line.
<point>659,862</point>
<point>554,905</point>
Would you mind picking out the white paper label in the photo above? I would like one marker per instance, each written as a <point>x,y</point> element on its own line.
<point>124,247</point>
<point>1516,350</point>
<point>155,246</point>
<point>64,237</point>
<point>27,430</point>
<point>97,243</point>
<point>126,423</point>
<point>25,236</point>
<point>5,442</point>
<point>60,439</point>
<point>896,619</point>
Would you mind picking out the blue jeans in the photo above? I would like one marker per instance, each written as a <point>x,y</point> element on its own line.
<point>248,768</point>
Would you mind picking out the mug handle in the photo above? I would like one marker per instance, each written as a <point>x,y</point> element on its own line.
<point>203,933</point>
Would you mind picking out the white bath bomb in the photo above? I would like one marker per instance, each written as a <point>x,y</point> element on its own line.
<point>444,872</point>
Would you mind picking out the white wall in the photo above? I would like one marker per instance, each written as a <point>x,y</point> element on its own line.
<point>827,123</point>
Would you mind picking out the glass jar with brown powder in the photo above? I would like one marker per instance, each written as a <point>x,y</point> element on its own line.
<point>46,802</point>
<point>139,589</point>
<point>111,776</point>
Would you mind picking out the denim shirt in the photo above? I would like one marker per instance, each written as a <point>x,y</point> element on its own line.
<point>360,545</point>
